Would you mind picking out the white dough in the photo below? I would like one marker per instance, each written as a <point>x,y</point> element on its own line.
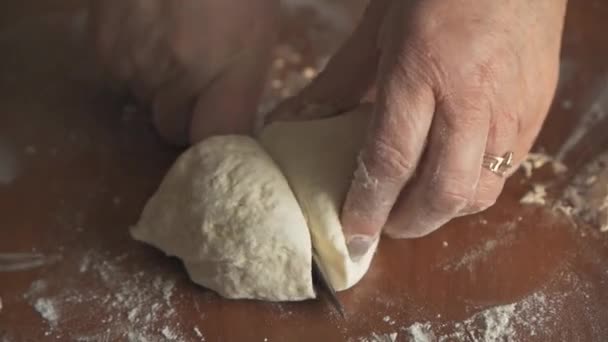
<point>319,158</point>
<point>227,212</point>
<point>228,209</point>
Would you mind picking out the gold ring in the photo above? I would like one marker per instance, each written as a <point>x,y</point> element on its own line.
<point>498,165</point>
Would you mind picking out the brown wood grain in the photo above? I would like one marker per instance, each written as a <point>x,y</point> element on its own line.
<point>86,168</point>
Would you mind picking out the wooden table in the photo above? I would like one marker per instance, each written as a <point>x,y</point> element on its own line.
<point>84,165</point>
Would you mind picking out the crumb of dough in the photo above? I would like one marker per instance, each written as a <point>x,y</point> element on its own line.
<point>538,195</point>
<point>535,161</point>
<point>586,198</point>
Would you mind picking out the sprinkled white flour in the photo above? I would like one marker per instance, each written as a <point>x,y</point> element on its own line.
<point>419,332</point>
<point>511,322</point>
<point>535,161</point>
<point>479,253</point>
<point>47,309</point>
<point>538,195</point>
<point>133,305</point>
<point>26,261</point>
<point>168,333</point>
<point>374,337</point>
<point>198,333</point>
<point>586,197</point>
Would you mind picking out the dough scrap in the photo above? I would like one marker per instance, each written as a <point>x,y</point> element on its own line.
<point>228,209</point>
<point>227,212</point>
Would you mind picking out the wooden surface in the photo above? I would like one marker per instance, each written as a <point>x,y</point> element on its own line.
<point>84,167</point>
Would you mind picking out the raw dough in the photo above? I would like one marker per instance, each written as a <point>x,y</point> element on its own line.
<point>227,212</point>
<point>226,209</point>
<point>318,158</point>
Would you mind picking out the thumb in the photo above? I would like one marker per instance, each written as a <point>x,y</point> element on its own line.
<point>348,76</point>
<point>400,123</point>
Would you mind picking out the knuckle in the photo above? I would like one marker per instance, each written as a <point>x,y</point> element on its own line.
<point>182,49</point>
<point>421,63</point>
<point>450,196</point>
<point>389,162</point>
<point>464,114</point>
<point>484,74</point>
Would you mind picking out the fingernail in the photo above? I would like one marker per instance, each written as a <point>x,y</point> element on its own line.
<point>359,245</point>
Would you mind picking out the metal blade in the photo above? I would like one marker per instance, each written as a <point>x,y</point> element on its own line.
<point>323,283</point>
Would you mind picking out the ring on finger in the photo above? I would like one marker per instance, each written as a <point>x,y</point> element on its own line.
<point>498,165</point>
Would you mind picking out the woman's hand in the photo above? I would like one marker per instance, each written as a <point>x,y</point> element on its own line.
<point>451,80</point>
<point>198,64</point>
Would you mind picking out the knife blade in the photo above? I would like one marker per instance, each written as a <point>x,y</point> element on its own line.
<point>323,286</point>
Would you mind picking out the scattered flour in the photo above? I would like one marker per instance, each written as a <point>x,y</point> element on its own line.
<point>13,262</point>
<point>169,334</point>
<point>511,322</point>
<point>48,310</point>
<point>131,306</point>
<point>84,263</point>
<point>537,196</point>
<point>198,333</point>
<point>535,161</point>
<point>586,197</point>
<point>375,337</point>
<point>419,332</point>
<point>479,253</point>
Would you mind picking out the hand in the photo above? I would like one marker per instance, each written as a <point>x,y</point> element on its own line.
<point>198,64</point>
<point>455,80</point>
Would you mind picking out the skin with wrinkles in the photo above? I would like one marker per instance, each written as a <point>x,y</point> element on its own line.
<point>197,64</point>
<point>450,81</point>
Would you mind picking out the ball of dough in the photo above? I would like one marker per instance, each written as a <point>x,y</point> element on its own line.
<point>319,158</point>
<point>227,212</point>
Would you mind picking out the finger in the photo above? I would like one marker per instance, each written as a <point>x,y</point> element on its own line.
<point>104,28</point>
<point>347,77</point>
<point>502,138</point>
<point>400,124</point>
<point>105,25</point>
<point>173,104</point>
<point>132,21</point>
<point>229,104</point>
<point>149,58</point>
<point>449,174</point>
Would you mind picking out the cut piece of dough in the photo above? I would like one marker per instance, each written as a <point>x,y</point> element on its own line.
<point>226,210</point>
<point>319,158</point>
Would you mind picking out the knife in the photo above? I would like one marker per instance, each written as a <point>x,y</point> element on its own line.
<point>323,286</point>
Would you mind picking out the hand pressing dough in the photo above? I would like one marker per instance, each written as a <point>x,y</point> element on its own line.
<point>319,158</point>
<point>229,211</point>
